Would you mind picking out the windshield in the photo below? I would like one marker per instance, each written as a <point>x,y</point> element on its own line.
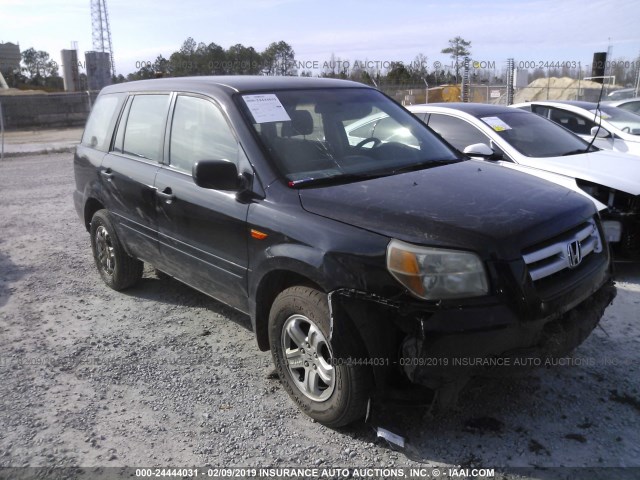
<point>534,136</point>
<point>622,119</point>
<point>341,134</point>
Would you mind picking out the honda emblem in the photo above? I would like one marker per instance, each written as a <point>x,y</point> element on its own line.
<point>574,253</point>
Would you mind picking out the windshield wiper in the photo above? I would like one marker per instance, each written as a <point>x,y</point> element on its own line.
<point>580,151</point>
<point>354,177</point>
<point>574,152</point>
<point>334,179</point>
<point>424,165</point>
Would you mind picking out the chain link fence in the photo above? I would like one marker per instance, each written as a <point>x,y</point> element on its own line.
<point>507,82</point>
<point>543,89</point>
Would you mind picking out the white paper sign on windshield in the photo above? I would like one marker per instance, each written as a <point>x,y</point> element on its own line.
<point>495,123</point>
<point>266,108</point>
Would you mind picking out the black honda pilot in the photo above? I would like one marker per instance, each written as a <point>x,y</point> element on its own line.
<point>367,251</point>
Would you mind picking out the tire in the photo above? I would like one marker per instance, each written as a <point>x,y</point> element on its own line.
<point>311,367</point>
<point>117,269</point>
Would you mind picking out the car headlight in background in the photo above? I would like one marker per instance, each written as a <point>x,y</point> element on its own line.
<point>436,273</point>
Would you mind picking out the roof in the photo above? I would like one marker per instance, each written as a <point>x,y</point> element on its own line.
<point>617,103</point>
<point>575,103</point>
<point>231,84</point>
<point>475,109</point>
<point>581,104</point>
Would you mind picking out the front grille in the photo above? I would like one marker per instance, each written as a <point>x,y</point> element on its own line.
<point>566,251</point>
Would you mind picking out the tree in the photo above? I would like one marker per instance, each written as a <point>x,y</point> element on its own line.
<point>243,60</point>
<point>30,60</point>
<point>398,74</point>
<point>279,59</point>
<point>39,67</point>
<point>188,47</point>
<point>458,48</point>
<point>335,67</point>
<point>419,68</point>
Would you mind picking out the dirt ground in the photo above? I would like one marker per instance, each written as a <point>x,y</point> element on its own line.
<point>161,375</point>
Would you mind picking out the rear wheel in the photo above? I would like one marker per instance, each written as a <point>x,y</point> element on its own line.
<point>314,368</point>
<point>116,267</point>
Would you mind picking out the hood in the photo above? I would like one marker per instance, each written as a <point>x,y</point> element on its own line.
<point>617,170</point>
<point>485,208</point>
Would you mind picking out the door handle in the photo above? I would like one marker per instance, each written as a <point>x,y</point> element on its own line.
<point>167,195</point>
<point>108,174</point>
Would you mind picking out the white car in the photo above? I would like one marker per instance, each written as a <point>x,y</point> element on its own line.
<point>613,128</point>
<point>526,142</point>
<point>621,94</point>
<point>378,128</point>
<point>629,104</point>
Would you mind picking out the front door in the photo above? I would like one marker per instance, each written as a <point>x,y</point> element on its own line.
<point>202,232</point>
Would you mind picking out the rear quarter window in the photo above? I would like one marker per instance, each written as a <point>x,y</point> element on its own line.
<point>99,128</point>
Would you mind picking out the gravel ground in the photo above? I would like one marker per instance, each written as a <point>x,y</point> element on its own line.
<point>161,375</point>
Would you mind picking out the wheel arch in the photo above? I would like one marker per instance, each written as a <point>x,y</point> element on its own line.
<point>271,284</point>
<point>91,206</point>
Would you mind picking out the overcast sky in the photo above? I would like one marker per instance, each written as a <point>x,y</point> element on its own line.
<point>377,31</point>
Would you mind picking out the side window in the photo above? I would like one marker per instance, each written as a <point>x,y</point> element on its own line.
<point>389,130</point>
<point>144,131</point>
<point>631,107</point>
<point>365,131</point>
<point>97,133</point>
<point>574,122</point>
<point>540,110</point>
<point>117,143</point>
<point>199,131</point>
<point>457,132</point>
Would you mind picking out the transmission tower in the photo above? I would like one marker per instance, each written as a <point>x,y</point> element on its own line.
<point>101,31</point>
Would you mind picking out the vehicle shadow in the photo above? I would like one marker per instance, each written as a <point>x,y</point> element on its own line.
<point>9,273</point>
<point>168,290</point>
<point>538,425</point>
<point>627,271</point>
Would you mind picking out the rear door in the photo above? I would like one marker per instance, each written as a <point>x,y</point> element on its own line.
<point>129,171</point>
<point>203,233</point>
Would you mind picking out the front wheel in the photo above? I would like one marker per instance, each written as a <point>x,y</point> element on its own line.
<point>116,267</point>
<point>318,372</point>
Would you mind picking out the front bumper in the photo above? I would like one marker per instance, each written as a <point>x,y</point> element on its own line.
<point>438,360</point>
<point>522,324</point>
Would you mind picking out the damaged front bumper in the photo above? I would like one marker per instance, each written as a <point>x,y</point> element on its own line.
<point>438,347</point>
<point>441,359</point>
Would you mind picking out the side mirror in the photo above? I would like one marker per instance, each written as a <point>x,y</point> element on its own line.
<point>218,175</point>
<point>599,132</point>
<point>481,150</point>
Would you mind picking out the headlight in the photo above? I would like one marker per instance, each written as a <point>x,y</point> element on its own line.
<point>436,273</point>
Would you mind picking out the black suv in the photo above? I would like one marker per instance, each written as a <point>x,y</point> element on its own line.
<point>366,260</point>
